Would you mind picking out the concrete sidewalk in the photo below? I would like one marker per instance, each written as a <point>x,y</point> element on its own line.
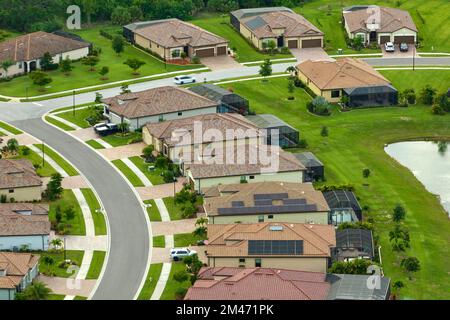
<point>162,281</point>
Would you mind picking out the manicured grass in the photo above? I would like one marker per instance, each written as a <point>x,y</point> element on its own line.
<point>154,176</point>
<point>54,270</point>
<point>94,144</point>
<point>159,242</point>
<point>59,124</point>
<point>174,209</point>
<point>55,297</point>
<point>222,27</point>
<point>43,169</point>
<point>129,174</point>
<point>418,79</point>
<point>96,265</point>
<point>150,281</point>
<point>77,226</point>
<point>80,298</point>
<point>186,239</point>
<point>9,128</point>
<point>81,76</point>
<point>99,219</point>
<point>80,106</point>
<point>67,167</point>
<point>118,139</point>
<point>356,141</point>
<point>78,119</point>
<point>153,212</point>
<point>172,285</point>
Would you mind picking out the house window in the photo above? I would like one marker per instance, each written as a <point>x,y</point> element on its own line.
<point>242,263</point>
<point>11,190</point>
<point>270,216</point>
<point>260,218</point>
<point>161,118</point>
<point>335,93</point>
<point>180,114</point>
<point>176,53</point>
<point>20,65</point>
<point>258,263</point>
<point>252,177</point>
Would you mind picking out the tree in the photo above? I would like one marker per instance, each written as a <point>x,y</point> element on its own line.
<point>443,101</point>
<point>266,68</point>
<point>58,214</point>
<point>427,95</point>
<point>181,276</point>
<point>291,69</point>
<point>399,238</point>
<point>47,63</point>
<point>366,173</point>
<point>271,45</point>
<point>319,105</point>
<point>223,6</point>
<point>324,131</point>
<point>89,7</point>
<point>134,64</point>
<point>409,95</point>
<point>91,61</point>
<point>66,66</point>
<point>40,78</point>
<point>291,88</point>
<point>37,291</point>
<point>69,213</point>
<point>161,162</point>
<point>54,188</point>
<point>168,176</point>
<point>399,213</point>
<point>57,243</point>
<point>103,72</point>
<point>121,16</point>
<point>13,146</point>
<point>124,127</point>
<point>48,260</point>
<point>357,43</point>
<point>98,97</point>
<point>397,286</point>
<point>118,45</point>
<point>124,89</point>
<point>410,264</point>
<point>135,13</point>
<point>5,65</point>
<point>148,152</point>
<point>188,210</point>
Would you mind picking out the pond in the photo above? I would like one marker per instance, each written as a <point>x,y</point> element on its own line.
<point>429,161</point>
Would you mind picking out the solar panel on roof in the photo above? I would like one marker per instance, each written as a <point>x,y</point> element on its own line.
<point>275,247</point>
<point>237,204</point>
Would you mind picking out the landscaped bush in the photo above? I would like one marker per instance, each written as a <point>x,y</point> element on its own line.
<point>320,106</point>
<point>333,187</point>
<point>302,143</point>
<point>356,225</point>
<point>105,34</point>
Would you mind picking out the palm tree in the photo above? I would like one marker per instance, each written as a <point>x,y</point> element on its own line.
<point>37,291</point>
<point>201,221</point>
<point>13,146</point>
<point>57,243</point>
<point>6,65</point>
<point>291,69</point>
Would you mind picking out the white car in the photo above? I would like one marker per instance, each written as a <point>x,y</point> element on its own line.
<point>177,254</point>
<point>184,79</point>
<point>389,47</point>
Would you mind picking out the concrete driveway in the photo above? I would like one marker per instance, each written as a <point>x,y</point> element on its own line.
<point>127,151</point>
<point>398,54</point>
<point>220,62</point>
<point>315,54</point>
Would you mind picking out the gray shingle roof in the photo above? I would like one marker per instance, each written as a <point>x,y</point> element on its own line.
<point>243,13</point>
<point>355,287</point>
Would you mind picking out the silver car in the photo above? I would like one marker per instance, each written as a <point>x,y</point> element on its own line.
<point>389,47</point>
<point>178,254</point>
<point>184,79</point>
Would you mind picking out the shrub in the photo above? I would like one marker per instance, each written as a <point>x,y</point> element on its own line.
<point>181,276</point>
<point>25,151</point>
<point>319,105</point>
<point>358,266</point>
<point>161,162</point>
<point>195,60</point>
<point>168,176</point>
<point>180,293</point>
<point>332,187</point>
<point>356,225</point>
<point>106,35</point>
<point>410,264</point>
<point>366,173</point>
<point>399,213</point>
<point>285,50</point>
<point>324,131</point>
<point>427,95</point>
<point>437,109</point>
<point>302,143</point>
<point>188,211</point>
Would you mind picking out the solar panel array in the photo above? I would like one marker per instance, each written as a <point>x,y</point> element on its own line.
<point>275,247</point>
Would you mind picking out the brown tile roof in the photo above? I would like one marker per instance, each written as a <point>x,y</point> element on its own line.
<point>234,161</point>
<point>24,219</point>
<point>258,284</point>
<point>341,74</point>
<point>172,33</point>
<point>218,121</point>
<point>156,101</point>
<point>231,240</point>
<point>391,19</point>
<point>245,193</point>
<point>18,174</point>
<point>262,26</point>
<point>34,45</point>
<point>16,266</point>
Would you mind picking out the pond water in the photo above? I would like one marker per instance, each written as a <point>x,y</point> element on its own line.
<point>429,161</point>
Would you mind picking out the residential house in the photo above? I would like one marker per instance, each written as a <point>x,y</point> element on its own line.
<point>354,244</point>
<point>216,130</point>
<point>156,105</point>
<point>17,272</point>
<point>354,287</point>
<point>344,207</point>
<point>280,25</point>
<point>168,38</point>
<point>228,101</point>
<point>241,164</point>
<point>267,201</point>
<point>19,181</point>
<point>278,131</point>
<point>24,225</point>
<point>26,51</point>
<point>304,247</point>
<point>258,284</point>
<point>379,25</point>
<point>314,167</point>
<point>347,80</point>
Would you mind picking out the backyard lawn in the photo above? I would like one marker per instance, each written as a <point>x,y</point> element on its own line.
<point>54,269</point>
<point>96,265</point>
<point>81,76</point>
<point>355,142</point>
<point>99,219</point>
<point>418,79</point>
<point>75,226</point>
<point>150,282</point>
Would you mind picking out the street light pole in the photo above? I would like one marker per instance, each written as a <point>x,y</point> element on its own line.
<point>43,153</point>
<point>414,57</point>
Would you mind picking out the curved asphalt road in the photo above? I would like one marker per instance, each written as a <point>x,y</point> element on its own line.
<point>129,234</point>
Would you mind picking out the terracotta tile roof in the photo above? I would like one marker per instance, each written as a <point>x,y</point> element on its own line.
<point>23,219</point>
<point>391,19</point>
<point>218,121</point>
<point>341,74</point>
<point>234,161</point>
<point>156,101</point>
<point>263,25</point>
<point>172,33</point>
<point>245,194</point>
<point>258,284</point>
<point>16,265</point>
<point>231,240</point>
<point>18,174</point>
<point>34,45</point>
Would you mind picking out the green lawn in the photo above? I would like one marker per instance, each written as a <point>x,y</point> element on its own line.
<point>154,176</point>
<point>55,297</point>
<point>356,140</point>
<point>94,144</point>
<point>172,285</point>
<point>129,174</point>
<point>99,219</point>
<point>186,239</point>
<point>150,282</point>
<point>59,124</point>
<point>67,167</point>
<point>159,242</point>
<point>222,27</point>
<point>54,270</point>
<point>96,265</point>
<point>76,226</point>
<point>418,79</point>
<point>78,119</point>
<point>118,139</point>
<point>174,209</point>
<point>43,169</point>
<point>81,76</point>
<point>80,298</point>
<point>153,212</point>
<point>9,128</point>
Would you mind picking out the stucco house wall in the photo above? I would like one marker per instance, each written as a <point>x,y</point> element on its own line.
<point>324,93</point>
<point>306,217</point>
<point>23,194</point>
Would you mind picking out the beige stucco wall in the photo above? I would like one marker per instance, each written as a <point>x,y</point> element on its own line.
<point>152,46</point>
<point>292,263</point>
<point>312,217</point>
<point>23,194</point>
<point>324,93</point>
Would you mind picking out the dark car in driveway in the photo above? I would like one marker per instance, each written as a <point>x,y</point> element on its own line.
<point>105,129</point>
<point>404,47</point>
